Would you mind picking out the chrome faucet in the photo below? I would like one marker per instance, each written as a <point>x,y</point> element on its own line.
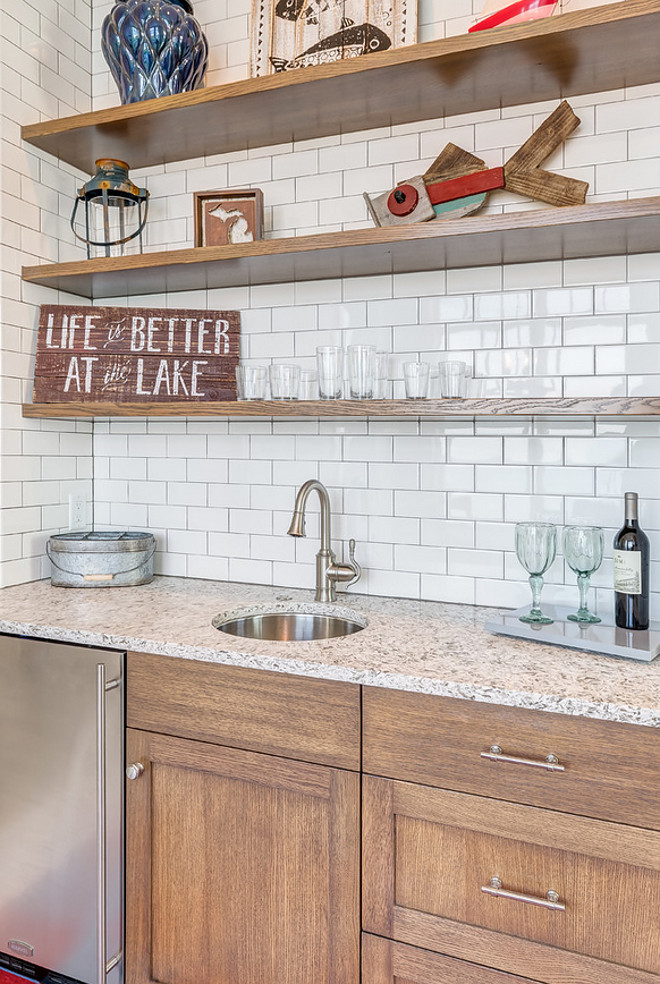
<point>328,571</point>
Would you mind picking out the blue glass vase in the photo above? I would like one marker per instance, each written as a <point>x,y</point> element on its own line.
<point>154,48</point>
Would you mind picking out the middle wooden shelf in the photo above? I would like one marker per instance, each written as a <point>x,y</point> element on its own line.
<point>599,229</point>
<point>613,406</point>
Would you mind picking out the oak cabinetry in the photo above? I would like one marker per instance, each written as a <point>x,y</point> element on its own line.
<point>610,770</point>
<point>291,716</point>
<point>243,836</point>
<point>428,852</point>
<point>242,866</point>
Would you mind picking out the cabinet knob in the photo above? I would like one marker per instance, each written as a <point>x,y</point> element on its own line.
<point>134,771</point>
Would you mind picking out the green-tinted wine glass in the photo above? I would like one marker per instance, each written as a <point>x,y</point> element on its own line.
<point>536,548</point>
<point>583,550</point>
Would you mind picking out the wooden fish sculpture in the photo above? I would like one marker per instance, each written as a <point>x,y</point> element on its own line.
<point>458,183</point>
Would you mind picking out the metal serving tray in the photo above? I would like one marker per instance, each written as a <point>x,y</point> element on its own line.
<point>601,637</point>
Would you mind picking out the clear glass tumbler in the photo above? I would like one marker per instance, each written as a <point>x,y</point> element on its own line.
<point>284,381</point>
<point>382,386</point>
<point>309,385</point>
<point>251,382</point>
<point>536,549</point>
<point>453,379</point>
<point>330,365</point>
<point>361,361</point>
<point>416,377</point>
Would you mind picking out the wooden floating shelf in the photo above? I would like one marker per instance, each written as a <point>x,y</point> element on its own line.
<point>528,407</point>
<point>587,51</point>
<point>600,229</point>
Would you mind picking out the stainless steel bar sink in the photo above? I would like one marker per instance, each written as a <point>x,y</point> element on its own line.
<point>290,625</point>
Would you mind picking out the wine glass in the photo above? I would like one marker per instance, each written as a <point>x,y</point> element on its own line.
<point>536,548</point>
<point>583,550</point>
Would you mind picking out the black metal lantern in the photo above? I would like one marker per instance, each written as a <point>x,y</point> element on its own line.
<point>115,209</point>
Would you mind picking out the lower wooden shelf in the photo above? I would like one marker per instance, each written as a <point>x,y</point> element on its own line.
<point>598,229</point>
<point>632,406</point>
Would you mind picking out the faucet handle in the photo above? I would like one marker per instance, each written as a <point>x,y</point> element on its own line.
<point>345,573</point>
<point>351,554</point>
<point>352,563</point>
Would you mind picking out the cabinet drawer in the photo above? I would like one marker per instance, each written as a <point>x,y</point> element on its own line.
<point>291,716</point>
<point>429,854</point>
<point>386,962</point>
<point>611,770</point>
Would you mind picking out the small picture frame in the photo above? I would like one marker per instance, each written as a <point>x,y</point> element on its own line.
<point>230,217</point>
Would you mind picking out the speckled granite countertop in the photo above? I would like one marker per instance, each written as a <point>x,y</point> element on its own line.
<point>429,647</point>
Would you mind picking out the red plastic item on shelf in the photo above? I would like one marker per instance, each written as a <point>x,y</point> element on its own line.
<point>519,11</point>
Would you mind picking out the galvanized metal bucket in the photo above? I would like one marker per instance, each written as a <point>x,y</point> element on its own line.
<point>101,559</point>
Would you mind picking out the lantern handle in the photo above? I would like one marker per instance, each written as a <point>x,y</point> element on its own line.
<point>116,242</point>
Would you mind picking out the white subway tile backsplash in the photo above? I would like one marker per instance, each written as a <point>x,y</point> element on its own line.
<point>534,508</point>
<point>438,587</point>
<point>574,361</point>
<point>485,450</point>
<point>420,560</point>
<point>456,307</point>
<point>432,501</point>
<point>628,359</point>
<point>472,506</point>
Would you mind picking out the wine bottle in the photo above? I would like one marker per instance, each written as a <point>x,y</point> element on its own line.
<point>631,571</point>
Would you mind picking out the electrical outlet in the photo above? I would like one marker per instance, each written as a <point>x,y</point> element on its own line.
<point>77,511</point>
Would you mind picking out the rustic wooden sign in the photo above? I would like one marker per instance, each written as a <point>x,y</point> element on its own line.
<point>135,355</point>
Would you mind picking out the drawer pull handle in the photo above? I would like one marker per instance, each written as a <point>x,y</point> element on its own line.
<point>550,763</point>
<point>551,901</point>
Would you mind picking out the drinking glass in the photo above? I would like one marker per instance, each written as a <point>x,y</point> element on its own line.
<point>416,376</point>
<point>536,548</point>
<point>381,376</point>
<point>251,382</point>
<point>330,365</point>
<point>309,385</point>
<point>284,381</point>
<point>453,379</point>
<point>583,550</point>
<point>361,364</point>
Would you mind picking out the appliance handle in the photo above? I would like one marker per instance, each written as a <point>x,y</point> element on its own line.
<point>102,687</point>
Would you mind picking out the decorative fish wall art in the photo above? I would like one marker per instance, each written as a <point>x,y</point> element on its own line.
<point>458,183</point>
<point>291,34</point>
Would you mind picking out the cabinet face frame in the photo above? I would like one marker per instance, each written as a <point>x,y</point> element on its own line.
<point>297,717</point>
<point>336,790</point>
<point>386,800</point>
<point>386,962</point>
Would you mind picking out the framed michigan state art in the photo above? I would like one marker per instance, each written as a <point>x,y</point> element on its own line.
<point>290,34</point>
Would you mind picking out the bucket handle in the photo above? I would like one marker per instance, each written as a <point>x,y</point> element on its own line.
<point>97,577</point>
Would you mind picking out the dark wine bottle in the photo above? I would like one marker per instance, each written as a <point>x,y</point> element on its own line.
<point>631,571</point>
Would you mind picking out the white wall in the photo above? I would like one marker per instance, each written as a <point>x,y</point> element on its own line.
<point>45,72</point>
<point>432,504</point>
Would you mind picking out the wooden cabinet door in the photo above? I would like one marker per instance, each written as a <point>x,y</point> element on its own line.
<point>242,868</point>
<point>430,855</point>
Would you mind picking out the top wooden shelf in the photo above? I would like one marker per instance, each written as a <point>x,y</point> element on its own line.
<point>587,51</point>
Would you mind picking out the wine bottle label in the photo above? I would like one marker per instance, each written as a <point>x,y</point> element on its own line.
<point>628,571</point>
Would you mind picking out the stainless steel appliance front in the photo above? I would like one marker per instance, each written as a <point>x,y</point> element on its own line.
<point>61,758</point>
